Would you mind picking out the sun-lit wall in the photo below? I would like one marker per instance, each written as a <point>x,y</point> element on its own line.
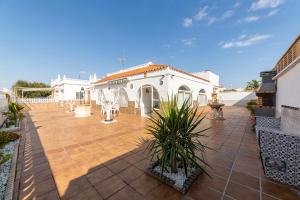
<point>66,89</point>
<point>288,87</point>
<point>3,106</point>
<point>236,98</point>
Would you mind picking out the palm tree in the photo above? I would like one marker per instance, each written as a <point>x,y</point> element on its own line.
<point>252,85</point>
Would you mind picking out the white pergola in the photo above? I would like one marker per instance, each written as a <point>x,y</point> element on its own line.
<point>27,89</point>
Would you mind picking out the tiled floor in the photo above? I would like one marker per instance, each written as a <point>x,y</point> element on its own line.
<point>63,157</point>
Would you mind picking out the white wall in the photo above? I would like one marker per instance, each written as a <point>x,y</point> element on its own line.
<point>65,89</point>
<point>194,84</point>
<point>236,98</point>
<point>137,82</point>
<point>288,89</point>
<point>3,106</point>
<point>70,91</point>
<point>212,77</point>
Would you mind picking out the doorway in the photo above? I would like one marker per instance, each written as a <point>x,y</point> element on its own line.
<point>149,100</point>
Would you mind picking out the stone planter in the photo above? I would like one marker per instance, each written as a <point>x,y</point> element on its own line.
<point>171,182</point>
<point>83,111</point>
<point>8,170</point>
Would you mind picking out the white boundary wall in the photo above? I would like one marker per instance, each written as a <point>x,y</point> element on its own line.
<point>37,100</point>
<point>236,98</point>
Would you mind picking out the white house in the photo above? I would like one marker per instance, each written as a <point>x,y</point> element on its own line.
<point>143,87</point>
<point>68,89</point>
<point>288,78</point>
<point>3,104</point>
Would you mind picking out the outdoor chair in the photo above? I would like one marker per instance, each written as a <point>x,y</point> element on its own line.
<point>116,109</point>
<point>280,147</point>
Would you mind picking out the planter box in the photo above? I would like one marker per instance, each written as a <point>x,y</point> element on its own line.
<point>83,111</point>
<point>8,170</point>
<point>8,194</point>
<point>169,181</point>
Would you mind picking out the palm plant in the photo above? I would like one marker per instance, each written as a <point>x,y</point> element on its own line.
<point>252,85</point>
<point>14,113</point>
<point>175,141</point>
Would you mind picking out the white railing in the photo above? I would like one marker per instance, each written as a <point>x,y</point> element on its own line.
<point>37,100</point>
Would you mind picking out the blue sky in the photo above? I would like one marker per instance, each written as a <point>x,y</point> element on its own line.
<point>234,38</point>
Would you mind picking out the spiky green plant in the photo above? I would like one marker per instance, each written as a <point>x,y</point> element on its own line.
<point>14,113</point>
<point>175,141</point>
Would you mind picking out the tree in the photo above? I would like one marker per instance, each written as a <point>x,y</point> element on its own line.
<point>31,94</point>
<point>252,85</point>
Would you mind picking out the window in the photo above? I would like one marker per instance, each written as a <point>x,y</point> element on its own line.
<point>202,98</point>
<point>79,95</point>
<point>184,94</point>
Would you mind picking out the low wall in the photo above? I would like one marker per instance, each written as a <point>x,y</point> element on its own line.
<point>130,109</point>
<point>37,100</point>
<point>236,98</point>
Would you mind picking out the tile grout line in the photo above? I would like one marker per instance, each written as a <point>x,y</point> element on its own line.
<point>260,187</point>
<point>225,188</point>
<point>52,175</point>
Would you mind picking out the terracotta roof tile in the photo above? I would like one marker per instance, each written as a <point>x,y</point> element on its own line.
<point>146,69</point>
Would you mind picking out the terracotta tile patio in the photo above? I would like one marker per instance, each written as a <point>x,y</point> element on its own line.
<point>63,157</point>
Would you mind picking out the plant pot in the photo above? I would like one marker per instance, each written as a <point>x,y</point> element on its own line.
<point>171,182</point>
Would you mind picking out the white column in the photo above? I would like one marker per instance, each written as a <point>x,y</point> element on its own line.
<point>151,98</point>
<point>141,103</point>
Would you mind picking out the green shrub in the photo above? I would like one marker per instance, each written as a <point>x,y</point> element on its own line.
<point>251,105</point>
<point>3,158</point>
<point>14,113</point>
<point>4,138</point>
<point>175,137</point>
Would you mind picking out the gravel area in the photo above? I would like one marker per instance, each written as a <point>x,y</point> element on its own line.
<point>5,167</point>
<point>179,177</point>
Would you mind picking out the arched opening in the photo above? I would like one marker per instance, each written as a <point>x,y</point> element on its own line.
<point>147,99</point>
<point>123,98</point>
<point>202,98</point>
<point>184,88</point>
<point>184,93</point>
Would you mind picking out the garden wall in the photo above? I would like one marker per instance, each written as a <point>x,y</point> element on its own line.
<point>236,98</point>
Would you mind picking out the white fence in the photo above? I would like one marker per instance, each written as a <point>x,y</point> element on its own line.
<point>236,98</point>
<point>3,106</point>
<point>36,100</point>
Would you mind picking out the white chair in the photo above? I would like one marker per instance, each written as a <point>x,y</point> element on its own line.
<point>116,109</point>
